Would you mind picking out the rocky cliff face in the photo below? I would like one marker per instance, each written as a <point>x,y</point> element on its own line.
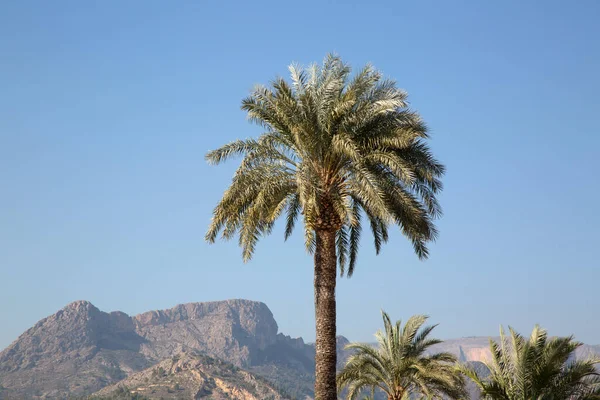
<point>232,330</point>
<point>466,349</point>
<point>81,349</point>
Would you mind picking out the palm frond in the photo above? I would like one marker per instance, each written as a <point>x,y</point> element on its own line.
<point>398,366</point>
<point>536,368</point>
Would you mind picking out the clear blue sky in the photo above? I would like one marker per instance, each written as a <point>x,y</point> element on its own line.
<point>107,109</point>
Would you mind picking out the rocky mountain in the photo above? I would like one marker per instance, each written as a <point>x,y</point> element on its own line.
<point>77,350</point>
<point>193,376</point>
<point>233,330</point>
<point>81,350</point>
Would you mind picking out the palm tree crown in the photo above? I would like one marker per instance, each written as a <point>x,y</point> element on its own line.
<point>400,366</point>
<point>332,147</point>
<point>537,368</point>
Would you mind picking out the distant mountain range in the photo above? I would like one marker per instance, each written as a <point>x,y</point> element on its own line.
<point>223,349</point>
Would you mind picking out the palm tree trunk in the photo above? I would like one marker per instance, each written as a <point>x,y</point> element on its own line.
<point>325,315</point>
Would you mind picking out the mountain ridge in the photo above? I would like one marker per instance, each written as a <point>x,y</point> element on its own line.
<point>80,349</point>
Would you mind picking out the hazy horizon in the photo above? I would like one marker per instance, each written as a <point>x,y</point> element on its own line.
<point>108,109</point>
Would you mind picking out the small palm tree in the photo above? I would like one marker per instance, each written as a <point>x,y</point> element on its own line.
<point>400,366</point>
<point>334,149</point>
<point>537,368</point>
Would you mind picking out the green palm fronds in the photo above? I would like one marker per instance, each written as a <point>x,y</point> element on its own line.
<point>537,368</point>
<point>399,366</point>
<point>334,147</point>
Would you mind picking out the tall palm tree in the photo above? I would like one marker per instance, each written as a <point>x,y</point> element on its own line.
<point>537,368</point>
<point>335,148</point>
<point>400,366</point>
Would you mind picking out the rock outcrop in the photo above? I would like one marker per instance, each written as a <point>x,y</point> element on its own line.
<point>194,376</point>
<point>232,330</point>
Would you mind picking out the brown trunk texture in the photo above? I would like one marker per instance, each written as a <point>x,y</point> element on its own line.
<point>325,315</point>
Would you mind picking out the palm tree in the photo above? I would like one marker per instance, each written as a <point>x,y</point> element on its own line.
<point>537,368</point>
<point>400,366</point>
<point>335,148</point>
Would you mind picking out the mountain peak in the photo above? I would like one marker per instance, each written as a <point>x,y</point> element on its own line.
<point>79,304</point>
<point>78,307</point>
